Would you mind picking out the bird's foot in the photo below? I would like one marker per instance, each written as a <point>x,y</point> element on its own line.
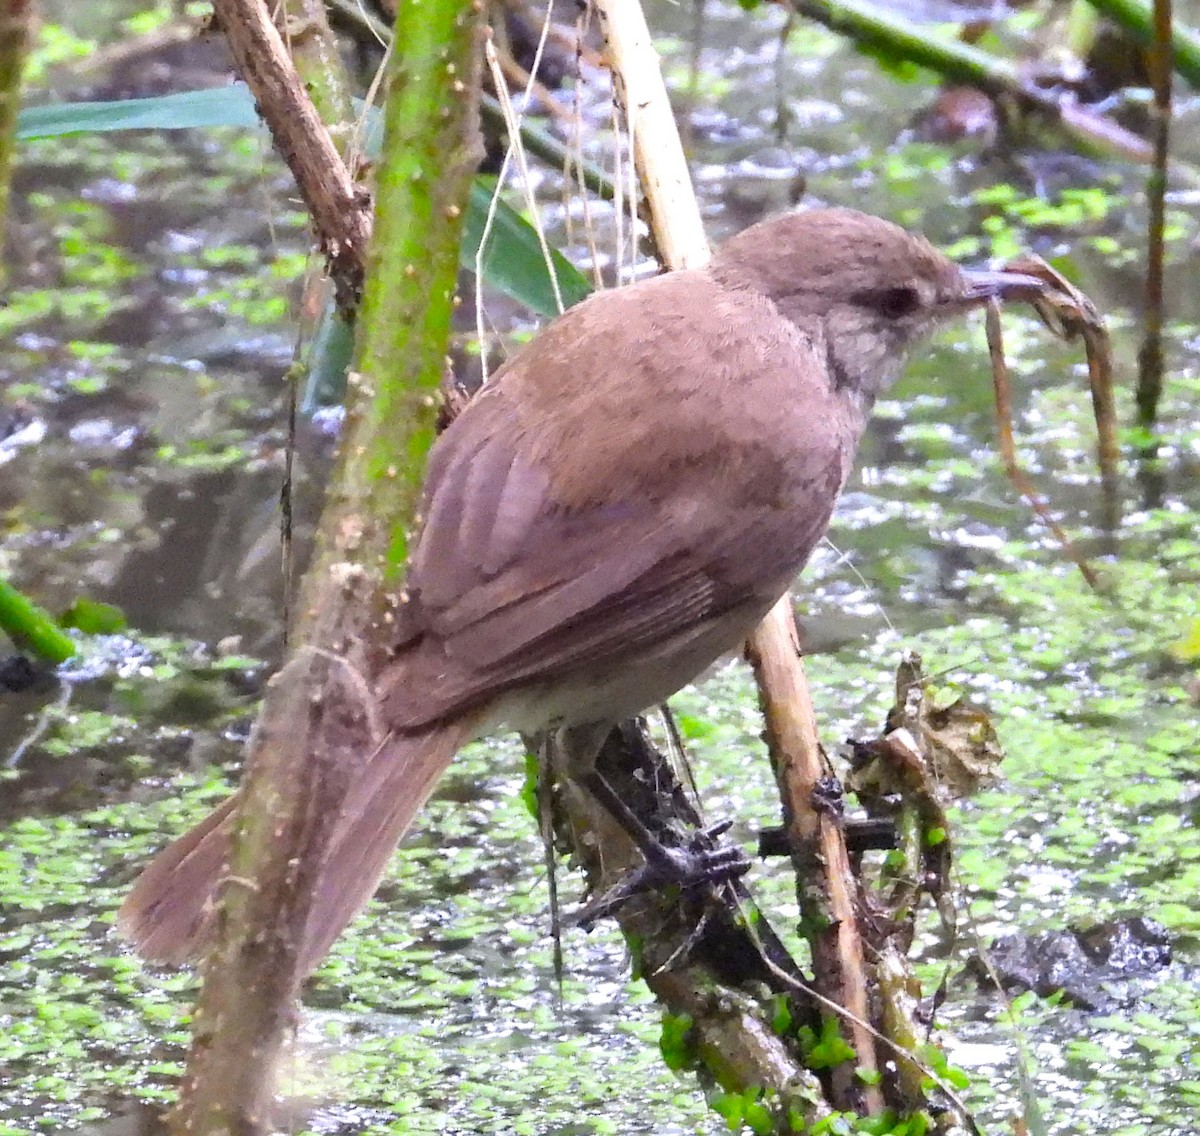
<point>697,863</point>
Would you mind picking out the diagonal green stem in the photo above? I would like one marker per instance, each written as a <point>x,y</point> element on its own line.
<point>31,627</point>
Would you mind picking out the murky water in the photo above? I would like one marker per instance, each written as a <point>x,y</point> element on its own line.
<point>152,287</point>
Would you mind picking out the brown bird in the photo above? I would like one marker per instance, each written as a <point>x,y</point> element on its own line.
<point>620,506</point>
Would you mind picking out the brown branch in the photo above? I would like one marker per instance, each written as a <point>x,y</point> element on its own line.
<point>822,863</point>
<point>838,953</point>
<point>16,33</point>
<point>1150,357</point>
<point>341,210</point>
<point>295,778</point>
<point>825,883</point>
<point>710,957</point>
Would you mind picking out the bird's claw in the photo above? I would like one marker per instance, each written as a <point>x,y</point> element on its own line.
<point>687,866</point>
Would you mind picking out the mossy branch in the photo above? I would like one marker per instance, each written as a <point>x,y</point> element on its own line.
<point>423,184</point>
<point>317,719</point>
<point>16,30</point>
<point>314,50</point>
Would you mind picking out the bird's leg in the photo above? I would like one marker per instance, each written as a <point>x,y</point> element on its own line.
<point>698,861</point>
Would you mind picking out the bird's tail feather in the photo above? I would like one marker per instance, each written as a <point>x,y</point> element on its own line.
<point>169,914</point>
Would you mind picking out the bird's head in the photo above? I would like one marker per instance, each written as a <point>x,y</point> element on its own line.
<point>864,289</point>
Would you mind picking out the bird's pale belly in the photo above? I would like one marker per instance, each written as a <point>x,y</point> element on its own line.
<point>614,692</point>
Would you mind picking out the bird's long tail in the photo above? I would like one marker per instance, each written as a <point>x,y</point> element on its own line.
<point>169,914</point>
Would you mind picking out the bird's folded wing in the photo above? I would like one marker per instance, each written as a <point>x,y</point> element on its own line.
<point>508,587</point>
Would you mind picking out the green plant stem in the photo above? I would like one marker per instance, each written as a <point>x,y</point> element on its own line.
<point>309,736</point>
<point>1138,18</point>
<point>32,628</point>
<point>538,142</point>
<point>1082,23</point>
<point>314,50</point>
<point>423,183</point>
<point>875,28</point>
<point>542,144</point>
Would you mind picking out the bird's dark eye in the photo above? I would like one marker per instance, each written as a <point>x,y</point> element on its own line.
<point>894,303</point>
